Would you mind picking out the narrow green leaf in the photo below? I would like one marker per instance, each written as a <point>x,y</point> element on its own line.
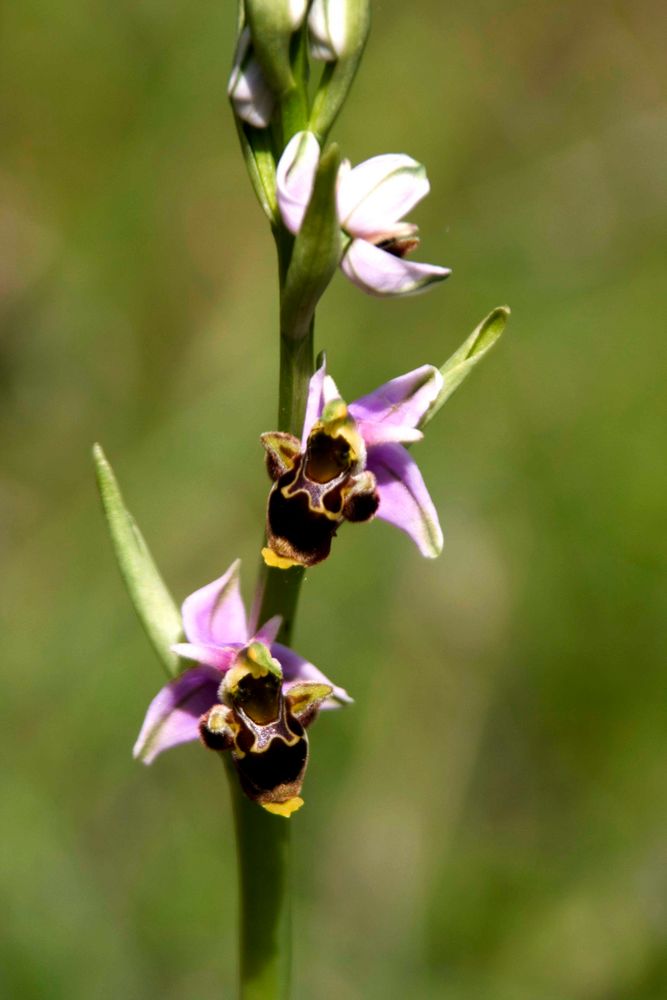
<point>316,253</point>
<point>470,353</point>
<point>260,164</point>
<point>153,603</point>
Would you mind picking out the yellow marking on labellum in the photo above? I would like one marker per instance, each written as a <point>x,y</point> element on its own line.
<point>255,660</point>
<point>348,431</point>
<point>289,740</point>
<point>253,684</point>
<point>283,808</point>
<point>282,452</point>
<point>335,424</point>
<point>315,505</point>
<point>278,562</point>
<point>233,678</point>
<point>217,719</point>
<point>303,696</point>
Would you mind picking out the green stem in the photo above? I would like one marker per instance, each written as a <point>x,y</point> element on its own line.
<point>264,899</point>
<point>297,361</point>
<point>296,367</point>
<point>278,594</point>
<point>263,840</point>
<point>278,590</point>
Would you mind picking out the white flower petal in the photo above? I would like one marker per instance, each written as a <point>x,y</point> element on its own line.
<point>378,192</point>
<point>295,177</point>
<point>380,273</point>
<point>296,10</point>
<point>328,28</point>
<point>249,92</point>
<point>329,390</point>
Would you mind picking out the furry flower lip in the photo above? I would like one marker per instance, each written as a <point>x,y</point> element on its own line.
<point>247,694</point>
<point>351,464</point>
<point>372,199</point>
<point>316,489</point>
<point>264,728</point>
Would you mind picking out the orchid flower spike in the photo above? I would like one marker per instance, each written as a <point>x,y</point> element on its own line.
<point>350,465</point>
<point>372,199</point>
<point>248,695</point>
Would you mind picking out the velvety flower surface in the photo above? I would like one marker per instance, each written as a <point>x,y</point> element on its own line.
<point>351,464</point>
<point>216,627</point>
<point>372,199</point>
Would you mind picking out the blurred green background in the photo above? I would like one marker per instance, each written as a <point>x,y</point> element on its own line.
<point>488,821</point>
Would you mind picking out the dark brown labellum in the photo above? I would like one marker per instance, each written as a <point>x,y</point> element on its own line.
<point>270,757</point>
<point>276,773</point>
<point>316,490</point>
<point>300,523</point>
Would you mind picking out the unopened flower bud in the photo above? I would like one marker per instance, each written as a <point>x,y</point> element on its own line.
<point>296,11</point>
<point>337,28</point>
<point>338,31</point>
<point>295,177</point>
<point>252,98</point>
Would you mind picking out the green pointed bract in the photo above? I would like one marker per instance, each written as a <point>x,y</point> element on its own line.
<point>469,354</point>
<point>271,26</point>
<point>153,603</point>
<point>338,76</point>
<point>316,253</point>
<point>261,166</point>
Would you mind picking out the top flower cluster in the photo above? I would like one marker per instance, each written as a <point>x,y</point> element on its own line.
<point>372,198</point>
<point>337,32</point>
